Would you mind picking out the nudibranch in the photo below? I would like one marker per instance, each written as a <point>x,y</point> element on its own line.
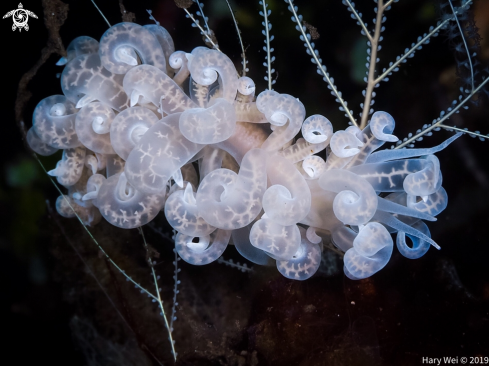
<point>145,128</point>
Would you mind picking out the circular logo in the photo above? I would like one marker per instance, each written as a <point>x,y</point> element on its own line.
<point>20,17</point>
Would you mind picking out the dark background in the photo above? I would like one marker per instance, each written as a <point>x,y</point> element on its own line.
<point>53,311</point>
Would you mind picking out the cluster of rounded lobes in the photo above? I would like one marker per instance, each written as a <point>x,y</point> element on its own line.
<point>146,129</point>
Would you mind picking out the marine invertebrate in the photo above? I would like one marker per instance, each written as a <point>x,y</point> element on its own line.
<point>120,106</point>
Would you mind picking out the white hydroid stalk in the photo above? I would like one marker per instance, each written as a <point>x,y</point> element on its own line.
<point>359,18</point>
<point>321,68</point>
<point>158,299</point>
<point>423,40</point>
<point>243,54</point>
<point>465,44</point>
<point>371,82</point>
<point>439,123</point>
<point>202,30</point>
<point>267,35</point>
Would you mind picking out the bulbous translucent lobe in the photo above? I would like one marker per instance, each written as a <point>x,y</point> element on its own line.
<point>128,127</point>
<point>82,45</point>
<point>124,206</point>
<point>183,215</point>
<point>37,145</point>
<point>317,129</point>
<point>230,201</point>
<point>419,246</point>
<point>356,201</point>
<point>305,261</point>
<point>85,79</point>
<point>92,126</point>
<point>382,125</point>
<point>209,126</point>
<point>279,241</point>
<point>160,153</point>
<point>283,111</point>
<point>119,42</point>
<point>166,43</point>
<point>206,250</point>
<point>69,169</point>
<point>54,122</point>
<point>67,207</point>
<point>152,84</point>
<point>425,182</point>
<point>288,199</point>
<point>206,65</point>
<point>372,249</point>
<point>345,145</point>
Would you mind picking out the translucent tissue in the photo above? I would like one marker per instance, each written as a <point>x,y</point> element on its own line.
<point>222,163</point>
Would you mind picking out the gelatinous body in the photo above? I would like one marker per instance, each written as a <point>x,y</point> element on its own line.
<point>223,164</point>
